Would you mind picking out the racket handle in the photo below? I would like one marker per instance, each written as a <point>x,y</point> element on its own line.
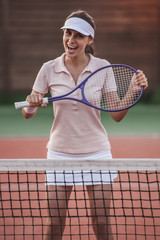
<point>23,104</point>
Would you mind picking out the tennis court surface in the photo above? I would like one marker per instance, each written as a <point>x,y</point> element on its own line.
<point>134,212</point>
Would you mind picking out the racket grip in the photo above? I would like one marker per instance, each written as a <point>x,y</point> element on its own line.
<point>23,104</point>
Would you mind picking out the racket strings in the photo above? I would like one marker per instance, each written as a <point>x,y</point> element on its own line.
<point>112,88</point>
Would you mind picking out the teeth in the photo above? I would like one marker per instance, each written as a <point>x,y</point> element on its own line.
<point>72,47</point>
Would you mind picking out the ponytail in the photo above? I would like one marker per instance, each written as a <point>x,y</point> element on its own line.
<point>90,49</point>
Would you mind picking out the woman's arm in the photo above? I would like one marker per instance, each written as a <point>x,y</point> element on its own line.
<point>140,80</point>
<point>35,100</point>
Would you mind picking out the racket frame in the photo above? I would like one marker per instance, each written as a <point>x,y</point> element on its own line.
<point>83,99</point>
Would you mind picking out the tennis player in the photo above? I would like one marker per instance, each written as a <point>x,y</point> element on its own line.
<point>77,132</point>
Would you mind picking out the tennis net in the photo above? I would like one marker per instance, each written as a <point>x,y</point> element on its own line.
<point>32,208</point>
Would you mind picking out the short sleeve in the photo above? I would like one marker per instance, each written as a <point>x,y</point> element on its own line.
<point>41,82</point>
<point>110,83</point>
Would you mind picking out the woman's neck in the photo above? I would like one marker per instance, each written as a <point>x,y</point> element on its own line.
<point>76,66</point>
<point>77,62</point>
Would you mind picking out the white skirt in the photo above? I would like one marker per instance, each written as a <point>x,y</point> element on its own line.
<point>71,178</point>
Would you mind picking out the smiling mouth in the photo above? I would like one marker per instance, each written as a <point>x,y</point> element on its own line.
<point>72,48</point>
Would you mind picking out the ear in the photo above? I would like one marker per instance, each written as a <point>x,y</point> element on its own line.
<point>90,40</point>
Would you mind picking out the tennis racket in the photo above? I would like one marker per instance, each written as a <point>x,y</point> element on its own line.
<point>110,88</point>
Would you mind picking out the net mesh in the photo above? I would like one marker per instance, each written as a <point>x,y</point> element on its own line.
<point>127,208</point>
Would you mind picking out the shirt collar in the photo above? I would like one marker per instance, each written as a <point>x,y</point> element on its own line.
<point>60,66</point>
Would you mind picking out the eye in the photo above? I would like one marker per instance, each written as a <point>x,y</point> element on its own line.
<point>68,32</point>
<point>80,35</point>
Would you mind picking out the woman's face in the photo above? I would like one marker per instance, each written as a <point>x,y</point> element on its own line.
<point>75,43</point>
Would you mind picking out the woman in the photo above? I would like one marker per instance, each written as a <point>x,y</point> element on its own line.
<point>77,132</point>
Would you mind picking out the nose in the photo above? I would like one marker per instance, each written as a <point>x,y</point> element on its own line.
<point>71,38</point>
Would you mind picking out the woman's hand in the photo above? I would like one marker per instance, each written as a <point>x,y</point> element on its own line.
<point>141,80</point>
<point>35,99</point>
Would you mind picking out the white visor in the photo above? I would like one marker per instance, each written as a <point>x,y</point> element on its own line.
<point>79,25</point>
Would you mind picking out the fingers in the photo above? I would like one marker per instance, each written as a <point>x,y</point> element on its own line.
<point>141,79</point>
<point>35,99</point>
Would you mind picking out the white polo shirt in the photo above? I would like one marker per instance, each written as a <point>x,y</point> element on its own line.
<point>76,128</point>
